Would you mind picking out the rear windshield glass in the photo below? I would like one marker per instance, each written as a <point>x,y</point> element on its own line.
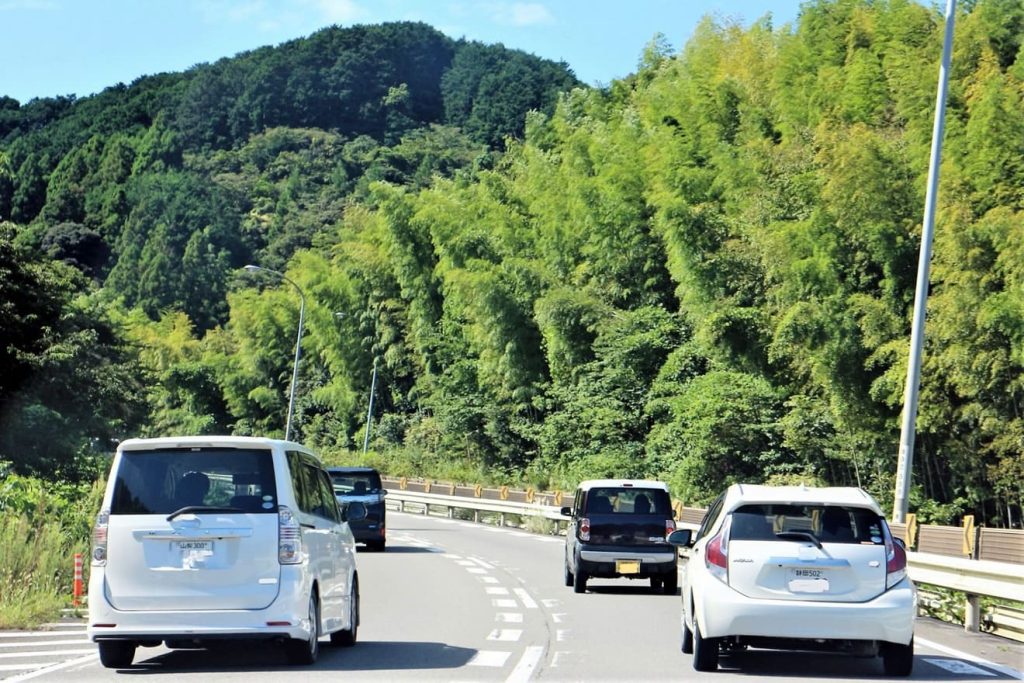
<point>160,482</point>
<point>828,523</point>
<point>355,483</point>
<point>628,501</point>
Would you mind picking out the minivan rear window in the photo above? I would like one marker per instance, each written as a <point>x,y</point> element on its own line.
<point>828,523</point>
<point>630,501</point>
<point>355,483</point>
<point>159,482</point>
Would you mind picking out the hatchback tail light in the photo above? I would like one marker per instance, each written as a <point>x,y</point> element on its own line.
<point>99,539</point>
<point>716,557</point>
<point>584,529</point>
<point>670,526</point>
<point>895,560</point>
<point>289,537</point>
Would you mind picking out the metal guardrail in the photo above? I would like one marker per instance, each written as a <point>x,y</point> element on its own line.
<point>1001,580</point>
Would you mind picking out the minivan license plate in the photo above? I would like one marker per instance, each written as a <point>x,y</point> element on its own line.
<point>627,566</point>
<point>194,546</point>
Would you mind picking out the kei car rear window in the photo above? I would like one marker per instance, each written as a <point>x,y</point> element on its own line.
<point>828,523</point>
<point>628,501</point>
<point>163,481</point>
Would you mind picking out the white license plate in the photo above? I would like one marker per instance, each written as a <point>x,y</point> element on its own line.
<point>195,546</point>
<point>808,580</point>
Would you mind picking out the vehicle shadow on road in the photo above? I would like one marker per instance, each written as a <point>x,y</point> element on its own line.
<point>637,588</point>
<point>365,656</point>
<point>784,665</point>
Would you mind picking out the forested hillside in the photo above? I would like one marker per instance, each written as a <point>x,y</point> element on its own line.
<point>702,273</point>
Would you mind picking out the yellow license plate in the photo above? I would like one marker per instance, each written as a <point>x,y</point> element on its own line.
<point>627,566</point>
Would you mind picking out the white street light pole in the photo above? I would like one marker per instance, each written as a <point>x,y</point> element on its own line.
<point>904,466</point>
<point>298,344</point>
<point>369,410</point>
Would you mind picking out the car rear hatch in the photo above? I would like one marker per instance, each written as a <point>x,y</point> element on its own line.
<point>173,546</point>
<point>819,552</point>
<point>628,516</point>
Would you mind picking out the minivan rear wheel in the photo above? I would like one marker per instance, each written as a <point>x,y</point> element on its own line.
<point>705,651</point>
<point>347,637</point>
<point>306,651</point>
<point>116,654</point>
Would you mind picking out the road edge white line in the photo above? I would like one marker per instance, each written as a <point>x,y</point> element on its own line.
<point>53,668</point>
<point>1001,668</point>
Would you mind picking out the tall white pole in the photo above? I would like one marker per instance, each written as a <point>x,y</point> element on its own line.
<point>369,410</point>
<point>298,345</point>
<point>905,464</point>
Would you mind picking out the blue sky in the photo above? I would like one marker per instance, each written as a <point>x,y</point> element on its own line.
<point>63,47</point>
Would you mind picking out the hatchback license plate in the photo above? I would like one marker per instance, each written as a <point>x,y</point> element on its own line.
<point>808,580</point>
<point>194,546</point>
<point>627,566</point>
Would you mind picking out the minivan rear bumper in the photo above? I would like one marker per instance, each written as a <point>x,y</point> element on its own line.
<point>722,611</point>
<point>602,562</point>
<point>286,617</point>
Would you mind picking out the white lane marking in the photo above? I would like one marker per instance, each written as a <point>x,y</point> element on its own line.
<point>1006,670</point>
<point>489,658</point>
<point>482,563</point>
<point>476,570</point>
<point>551,602</point>
<point>46,634</point>
<point>56,667</point>
<point>506,634</point>
<point>37,643</point>
<point>509,617</point>
<point>465,563</point>
<point>557,656</point>
<point>46,653</point>
<point>504,602</point>
<point>496,590</point>
<point>561,635</point>
<point>548,539</point>
<point>527,663</point>
<point>450,556</point>
<point>557,617</point>
<point>528,602</point>
<point>489,579</point>
<point>957,666</point>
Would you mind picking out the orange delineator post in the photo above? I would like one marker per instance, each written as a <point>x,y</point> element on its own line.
<point>77,586</point>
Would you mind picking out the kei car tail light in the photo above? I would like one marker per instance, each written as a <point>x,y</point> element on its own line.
<point>670,526</point>
<point>289,537</point>
<point>99,539</point>
<point>895,560</point>
<point>716,555</point>
<point>584,529</point>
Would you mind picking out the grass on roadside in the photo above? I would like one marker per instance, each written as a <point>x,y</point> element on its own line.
<point>36,571</point>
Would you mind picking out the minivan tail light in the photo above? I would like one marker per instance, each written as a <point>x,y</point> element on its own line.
<point>716,555</point>
<point>289,537</point>
<point>584,529</point>
<point>895,560</point>
<point>99,539</point>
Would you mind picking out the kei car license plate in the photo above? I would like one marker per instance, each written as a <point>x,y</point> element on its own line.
<point>809,580</point>
<point>627,566</point>
<point>195,546</point>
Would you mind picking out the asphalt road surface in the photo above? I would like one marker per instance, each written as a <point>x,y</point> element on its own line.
<point>457,601</point>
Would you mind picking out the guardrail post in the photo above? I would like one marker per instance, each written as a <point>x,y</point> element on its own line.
<point>451,513</point>
<point>972,613</point>
<point>502,519</point>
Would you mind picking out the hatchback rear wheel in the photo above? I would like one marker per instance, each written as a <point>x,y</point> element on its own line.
<point>579,582</point>
<point>898,660</point>
<point>705,651</point>
<point>116,654</point>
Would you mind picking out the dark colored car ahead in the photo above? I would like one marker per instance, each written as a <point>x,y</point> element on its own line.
<point>363,484</point>
<point>618,529</point>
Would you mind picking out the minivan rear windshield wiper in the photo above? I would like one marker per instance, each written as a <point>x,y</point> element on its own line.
<point>202,508</point>
<point>799,536</point>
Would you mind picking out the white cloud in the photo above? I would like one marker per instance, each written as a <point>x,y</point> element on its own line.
<point>341,11</point>
<point>528,14</point>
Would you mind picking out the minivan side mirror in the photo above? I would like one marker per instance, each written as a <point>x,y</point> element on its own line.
<point>682,538</point>
<point>566,511</point>
<point>353,512</point>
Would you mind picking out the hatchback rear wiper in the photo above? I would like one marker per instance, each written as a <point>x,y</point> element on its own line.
<point>800,536</point>
<point>202,508</point>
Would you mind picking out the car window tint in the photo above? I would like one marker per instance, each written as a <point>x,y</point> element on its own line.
<point>828,523</point>
<point>302,495</point>
<point>165,480</point>
<point>712,515</point>
<point>329,504</point>
<point>355,482</point>
<point>628,501</point>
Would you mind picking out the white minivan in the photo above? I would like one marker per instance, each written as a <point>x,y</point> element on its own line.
<point>212,538</point>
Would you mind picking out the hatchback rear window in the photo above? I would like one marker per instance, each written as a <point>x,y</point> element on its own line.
<point>159,482</point>
<point>630,501</point>
<point>828,523</point>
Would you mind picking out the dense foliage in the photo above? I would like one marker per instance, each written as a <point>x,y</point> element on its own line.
<point>702,273</point>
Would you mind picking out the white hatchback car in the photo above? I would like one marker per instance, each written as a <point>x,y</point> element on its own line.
<point>796,568</point>
<point>204,539</point>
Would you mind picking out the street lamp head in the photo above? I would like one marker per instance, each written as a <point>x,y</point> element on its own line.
<point>252,269</point>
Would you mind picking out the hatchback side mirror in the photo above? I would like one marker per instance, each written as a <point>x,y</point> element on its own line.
<point>566,511</point>
<point>682,538</point>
